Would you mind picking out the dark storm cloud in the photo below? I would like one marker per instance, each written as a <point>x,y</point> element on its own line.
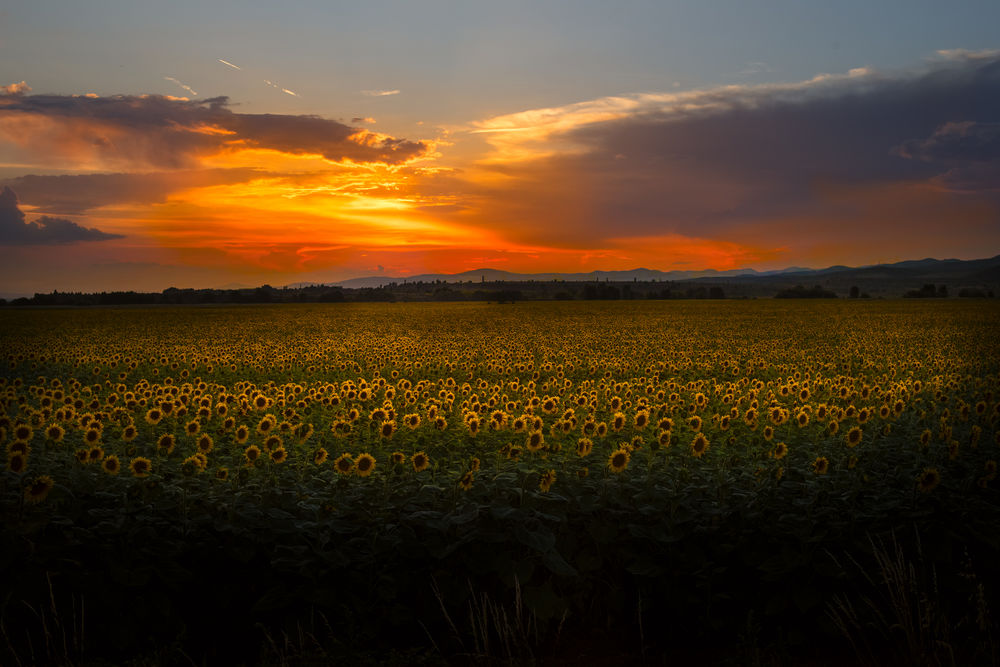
<point>708,162</point>
<point>957,141</point>
<point>77,193</point>
<point>170,132</point>
<point>42,231</point>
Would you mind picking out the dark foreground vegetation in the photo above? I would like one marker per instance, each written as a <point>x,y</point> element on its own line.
<point>168,572</point>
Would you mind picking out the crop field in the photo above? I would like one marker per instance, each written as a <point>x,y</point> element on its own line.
<point>501,482</point>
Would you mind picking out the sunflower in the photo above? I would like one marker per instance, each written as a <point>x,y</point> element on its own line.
<point>191,466</point>
<point>95,454</point>
<point>229,424</point>
<point>55,433</point>
<point>344,464</point>
<point>928,480</point>
<point>222,474</point>
<point>641,418</point>
<point>205,443</point>
<point>474,464</point>
<point>473,425</point>
<point>17,463</point>
<point>465,483</point>
<point>802,419</point>
<point>665,424</point>
<point>953,450</point>
<point>166,442</point>
<point>854,436</point>
<point>821,465</point>
<point>925,437</point>
<point>412,420</point>
<point>273,442</point>
<point>23,432</point>
<point>320,456</point>
<point>991,470</point>
<point>618,460</point>
<point>82,454</point>
<point>140,466</point>
<point>618,422</point>
<point>547,480</point>
<point>699,445</point>
<point>602,429</point>
<point>18,447</point>
<point>695,424</point>
<point>535,441</point>
<point>153,416</point>
<point>864,414</point>
<point>386,429</point>
<point>279,454</point>
<point>266,424</point>
<point>663,439</point>
<point>365,464</point>
<point>251,453</point>
<point>92,436</point>
<point>242,434</point>
<point>397,457</point>
<point>420,461</point>
<point>768,433</point>
<point>129,433</point>
<point>38,490</point>
<point>584,446</point>
<point>780,451</point>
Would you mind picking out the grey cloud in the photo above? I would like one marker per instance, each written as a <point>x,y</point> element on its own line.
<point>14,230</point>
<point>170,132</point>
<point>956,141</point>
<point>77,193</point>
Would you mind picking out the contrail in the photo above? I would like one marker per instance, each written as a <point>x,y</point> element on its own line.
<point>184,86</point>
<point>379,93</point>
<point>226,62</point>
<point>290,92</point>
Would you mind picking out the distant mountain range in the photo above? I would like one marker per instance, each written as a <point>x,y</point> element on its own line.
<point>877,276</point>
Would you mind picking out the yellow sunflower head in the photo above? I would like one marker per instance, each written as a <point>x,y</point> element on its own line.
<point>928,480</point>
<point>141,466</point>
<point>364,464</point>
<point>420,461</point>
<point>38,490</point>
<point>344,464</point>
<point>618,460</point>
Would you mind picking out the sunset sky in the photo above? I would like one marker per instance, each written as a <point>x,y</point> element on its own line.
<point>190,144</point>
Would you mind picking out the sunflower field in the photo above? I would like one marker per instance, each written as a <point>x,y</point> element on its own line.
<point>201,480</point>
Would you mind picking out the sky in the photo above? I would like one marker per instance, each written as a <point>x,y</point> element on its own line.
<point>148,145</point>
